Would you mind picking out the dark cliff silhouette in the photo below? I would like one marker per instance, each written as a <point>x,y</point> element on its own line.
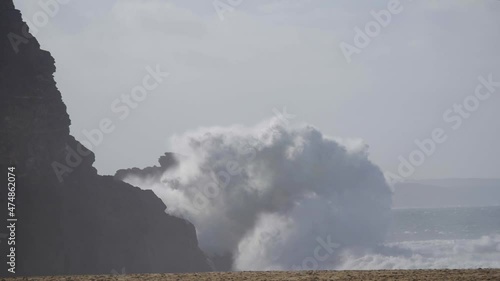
<point>80,223</point>
<point>154,173</point>
<point>167,161</point>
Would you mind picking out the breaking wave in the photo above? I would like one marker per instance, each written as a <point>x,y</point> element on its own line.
<point>268,195</point>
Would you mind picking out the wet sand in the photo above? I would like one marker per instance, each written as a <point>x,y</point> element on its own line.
<point>386,275</point>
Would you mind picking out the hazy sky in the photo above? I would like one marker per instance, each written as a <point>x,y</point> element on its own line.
<point>276,54</point>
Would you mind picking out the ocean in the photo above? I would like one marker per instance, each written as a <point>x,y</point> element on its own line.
<point>444,223</point>
<point>466,237</point>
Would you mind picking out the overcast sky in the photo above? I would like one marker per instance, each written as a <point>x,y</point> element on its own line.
<point>276,54</point>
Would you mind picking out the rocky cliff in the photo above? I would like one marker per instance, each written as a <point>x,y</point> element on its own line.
<point>78,223</point>
<point>167,161</point>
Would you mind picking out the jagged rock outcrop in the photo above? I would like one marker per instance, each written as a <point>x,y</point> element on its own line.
<point>154,174</point>
<point>81,223</point>
<point>167,161</point>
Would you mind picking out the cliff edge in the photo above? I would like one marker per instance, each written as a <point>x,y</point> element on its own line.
<point>82,223</point>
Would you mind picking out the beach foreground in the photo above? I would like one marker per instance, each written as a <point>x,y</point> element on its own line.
<point>387,275</point>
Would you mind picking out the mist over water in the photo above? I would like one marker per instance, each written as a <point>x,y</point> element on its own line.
<point>434,238</point>
<point>270,194</point>
<point>280,197</point>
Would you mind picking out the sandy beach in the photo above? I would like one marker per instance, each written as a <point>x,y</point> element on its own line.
<point>386,275</point>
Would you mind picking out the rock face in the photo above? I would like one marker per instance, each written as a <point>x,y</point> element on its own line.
<point>78,223</point>
<point>167,161</point>
<point>154,173</point>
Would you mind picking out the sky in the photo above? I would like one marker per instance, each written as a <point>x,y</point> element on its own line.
<point>241,61</point>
